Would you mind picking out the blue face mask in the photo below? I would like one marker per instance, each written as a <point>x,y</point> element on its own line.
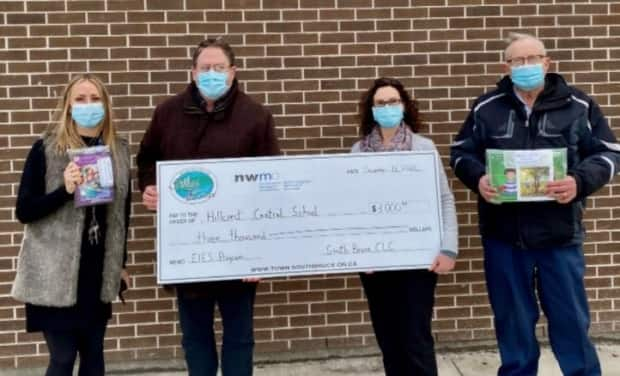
<point>528,77</point>
<point>212,84</point>
<point>88,115</point>
<point>388,116</point>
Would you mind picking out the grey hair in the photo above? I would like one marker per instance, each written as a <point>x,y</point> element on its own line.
<point>515,37</point>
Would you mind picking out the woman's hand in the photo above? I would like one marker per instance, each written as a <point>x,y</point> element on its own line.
<point>72,177</point>
<point>442,264</point>
<point>125,277</point>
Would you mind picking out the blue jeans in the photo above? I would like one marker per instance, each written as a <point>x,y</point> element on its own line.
<point>513,277</point>
<point>196,317</point>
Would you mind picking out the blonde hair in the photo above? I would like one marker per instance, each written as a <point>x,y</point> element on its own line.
<point>515,37</point>
<point>63,129</point>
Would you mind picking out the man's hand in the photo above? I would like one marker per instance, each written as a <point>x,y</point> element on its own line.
<point>563,190</point>
<point>442,264</point>
<point>149,197</point>
<point>486,190</point>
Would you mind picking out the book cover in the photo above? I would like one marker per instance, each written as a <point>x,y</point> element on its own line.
<point>522,175</point>
<point>97,184</point>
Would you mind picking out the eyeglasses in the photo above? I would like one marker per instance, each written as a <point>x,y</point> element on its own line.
<point>220,68</point>
<point>388,102</point>
<point>532,59</point>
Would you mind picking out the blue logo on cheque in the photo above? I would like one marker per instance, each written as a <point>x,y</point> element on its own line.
<point>193,186</point>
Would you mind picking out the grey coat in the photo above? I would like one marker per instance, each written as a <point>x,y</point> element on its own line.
<point>49,259</point>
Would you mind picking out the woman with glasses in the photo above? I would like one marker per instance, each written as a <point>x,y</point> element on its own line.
<point>401,302</point>
<point>72,258</point>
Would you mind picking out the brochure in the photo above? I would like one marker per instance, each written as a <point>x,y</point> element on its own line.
<point>97,185</point>
<point>522,175</point>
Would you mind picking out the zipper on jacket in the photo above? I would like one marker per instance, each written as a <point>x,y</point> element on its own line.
<point>528,140</point>
<point>520,242</point>
<point>528,145</point>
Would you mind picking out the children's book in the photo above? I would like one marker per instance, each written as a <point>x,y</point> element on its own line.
<point>522,175</point>
<point>97,183</point>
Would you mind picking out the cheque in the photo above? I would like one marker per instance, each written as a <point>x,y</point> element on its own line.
<point>221,219</point>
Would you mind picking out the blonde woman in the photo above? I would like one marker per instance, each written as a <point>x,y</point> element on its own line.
<point>72,258</point>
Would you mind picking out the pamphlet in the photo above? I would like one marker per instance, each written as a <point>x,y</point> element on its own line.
<point>97,185</point>
<point>522,175</point>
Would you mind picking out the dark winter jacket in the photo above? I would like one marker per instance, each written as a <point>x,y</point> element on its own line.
<point>562,117</point>
<point>181,128</point>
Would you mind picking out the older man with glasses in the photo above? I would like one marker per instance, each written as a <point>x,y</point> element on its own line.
<point>534,247</point>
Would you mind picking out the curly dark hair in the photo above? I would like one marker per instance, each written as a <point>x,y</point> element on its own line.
<point>411,115</point>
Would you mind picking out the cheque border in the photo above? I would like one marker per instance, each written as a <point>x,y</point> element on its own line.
<point>271,274</point>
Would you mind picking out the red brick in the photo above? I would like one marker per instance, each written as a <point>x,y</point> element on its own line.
<point>310,64</point>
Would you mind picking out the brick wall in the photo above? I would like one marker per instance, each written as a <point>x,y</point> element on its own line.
<point>308,61</point>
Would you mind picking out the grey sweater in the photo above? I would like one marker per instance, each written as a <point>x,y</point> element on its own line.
<point>449,233</point>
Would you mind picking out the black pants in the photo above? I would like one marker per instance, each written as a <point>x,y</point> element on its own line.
<point>236,306</point>
<point>401,309</point>
<point>64,345</point>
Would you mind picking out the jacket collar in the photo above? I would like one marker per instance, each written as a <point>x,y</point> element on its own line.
<point>194,103</point>
<point>555,94</point>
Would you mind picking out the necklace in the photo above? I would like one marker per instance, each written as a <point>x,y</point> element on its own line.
<point>93,227</point>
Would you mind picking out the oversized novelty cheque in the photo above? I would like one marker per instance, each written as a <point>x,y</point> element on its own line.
<point>223,219</point>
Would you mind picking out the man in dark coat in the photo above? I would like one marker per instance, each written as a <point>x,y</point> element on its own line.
<point>211,118</point>
<point>531,246</point>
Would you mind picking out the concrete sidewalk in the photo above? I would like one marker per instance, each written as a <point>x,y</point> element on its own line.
<point>355,362</point>
<point>475,363</point>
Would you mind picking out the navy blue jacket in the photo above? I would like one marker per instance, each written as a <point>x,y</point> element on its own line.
<point>562,117</point>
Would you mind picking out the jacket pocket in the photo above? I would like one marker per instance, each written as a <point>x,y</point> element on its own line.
<point>548,129</point>
<point>505,129</point>
<point>551,224</point>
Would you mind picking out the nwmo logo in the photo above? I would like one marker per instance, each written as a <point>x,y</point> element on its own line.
<point>258,177</point>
